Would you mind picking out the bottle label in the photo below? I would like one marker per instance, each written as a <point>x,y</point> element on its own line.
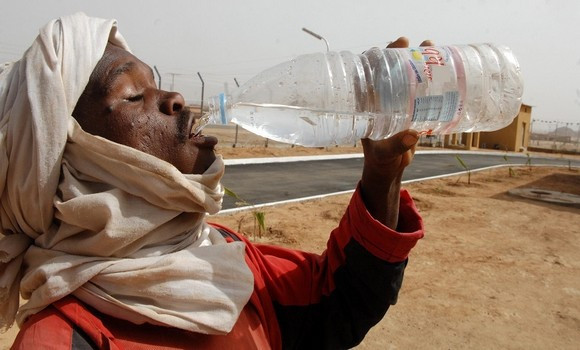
<point>436,89</point>
<point>430,64</point>
<point>436,107</point>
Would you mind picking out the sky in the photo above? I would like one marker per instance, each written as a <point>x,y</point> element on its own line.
<point>227,40</point>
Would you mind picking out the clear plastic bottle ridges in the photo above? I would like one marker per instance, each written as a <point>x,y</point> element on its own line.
<point>330,98</point>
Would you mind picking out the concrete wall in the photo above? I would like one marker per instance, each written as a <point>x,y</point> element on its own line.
<point>515,137</point>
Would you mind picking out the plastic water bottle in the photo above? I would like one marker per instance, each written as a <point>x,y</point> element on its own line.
<point>330,98</point>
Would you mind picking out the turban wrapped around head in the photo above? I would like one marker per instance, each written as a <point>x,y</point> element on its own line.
<point>79,213</point>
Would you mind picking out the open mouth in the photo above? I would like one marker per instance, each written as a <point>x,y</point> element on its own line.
<point>195,127</point>
<point>192,126</point>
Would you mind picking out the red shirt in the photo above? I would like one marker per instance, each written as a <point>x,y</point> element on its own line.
<point>299,300</point>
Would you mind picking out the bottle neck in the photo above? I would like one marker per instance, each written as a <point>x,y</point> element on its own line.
<point>365,89</point>
<point>218,107</point>
<point>217,113</point>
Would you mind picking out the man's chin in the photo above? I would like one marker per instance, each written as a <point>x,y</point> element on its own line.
<point>204,160</point>
<point>204,141</point>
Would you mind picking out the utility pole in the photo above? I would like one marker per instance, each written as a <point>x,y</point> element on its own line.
<point>202,92</point>
<point>172,87</point>
<point>237,126</point>
<point>556,135</point>
<point>532,131</point>
<point>578,137</point>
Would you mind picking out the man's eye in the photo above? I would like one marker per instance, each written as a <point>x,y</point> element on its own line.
<point>134,98</point>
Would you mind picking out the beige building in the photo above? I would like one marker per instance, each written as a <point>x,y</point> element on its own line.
<point>514,137</point>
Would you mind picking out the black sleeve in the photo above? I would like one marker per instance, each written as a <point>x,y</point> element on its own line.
<point>80,341</point>
<point>365,287</point>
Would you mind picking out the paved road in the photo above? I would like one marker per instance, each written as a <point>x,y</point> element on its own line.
<point>273,182</point>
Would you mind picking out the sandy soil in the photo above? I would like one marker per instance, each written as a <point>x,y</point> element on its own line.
<point>494,271</point>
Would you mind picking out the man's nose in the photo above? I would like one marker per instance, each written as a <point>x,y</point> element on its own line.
<point>171,103</point>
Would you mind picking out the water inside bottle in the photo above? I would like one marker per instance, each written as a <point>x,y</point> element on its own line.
<point>301,126</point>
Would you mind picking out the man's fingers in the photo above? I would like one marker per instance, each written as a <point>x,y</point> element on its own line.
<point>404,42</point>
<point>407,143</point>
<point>395,145</point>
<point>406,140</point>
<point>400,42</point>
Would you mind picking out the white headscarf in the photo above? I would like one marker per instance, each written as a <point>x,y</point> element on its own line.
<point>85,216</point>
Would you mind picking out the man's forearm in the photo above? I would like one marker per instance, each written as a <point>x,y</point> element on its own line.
<point>381,196</point>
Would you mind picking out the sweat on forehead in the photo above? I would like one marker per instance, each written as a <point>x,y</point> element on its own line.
<point>101,69</point>
<point>105,72</point>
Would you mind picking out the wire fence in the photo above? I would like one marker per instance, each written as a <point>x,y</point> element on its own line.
<point>564,138</point>
<point>555,135</point>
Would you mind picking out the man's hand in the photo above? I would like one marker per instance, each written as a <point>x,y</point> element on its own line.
<point>404,42</point>
<point>385,161</point>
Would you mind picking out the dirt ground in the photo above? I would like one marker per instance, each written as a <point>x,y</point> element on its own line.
<point>494,271</point>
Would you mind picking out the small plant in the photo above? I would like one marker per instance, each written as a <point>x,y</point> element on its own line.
<point>259,216</point>
<point>529,161</point>
<point>462,163</point>
<point>511,171</point>
<point>259,222</point>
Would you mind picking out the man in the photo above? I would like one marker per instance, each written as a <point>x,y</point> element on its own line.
<point>103,195</point>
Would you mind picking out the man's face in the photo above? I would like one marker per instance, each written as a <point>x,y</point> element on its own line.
<point>122,103</point>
